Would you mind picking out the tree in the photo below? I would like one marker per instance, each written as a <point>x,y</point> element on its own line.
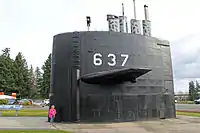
<point>7,81</point>
<point>15,76</point>
<point>38,81</point>
<point>193,93</point>
<point>32,81</point>
<point>197,88</point>
<point>45,87</point>
<point>6,52</point>
<point>22,77</point>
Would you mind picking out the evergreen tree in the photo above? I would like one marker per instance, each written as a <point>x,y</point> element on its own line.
<point>6,52</point>
<point>15,76</point>
<point>192,91</point>
<point>32,80</point>
<point>45,87</point>
<point>38,80</point>
<point>7,81</point>
<point>197,88</point>
<point>22,76</point>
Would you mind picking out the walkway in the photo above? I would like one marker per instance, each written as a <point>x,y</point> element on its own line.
<point>182,124</point>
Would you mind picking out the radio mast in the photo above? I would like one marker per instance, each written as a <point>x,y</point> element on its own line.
<point>135,24</point>
<point>146,23</point>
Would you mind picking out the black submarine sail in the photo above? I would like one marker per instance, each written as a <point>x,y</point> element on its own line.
<point>112,76</point>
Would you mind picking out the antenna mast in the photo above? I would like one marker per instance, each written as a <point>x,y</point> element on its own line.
<point>135,24</point>
<point>134,6</point>
<point>88,19</point>
<point>123,21</point>
<point>146,22</point>
<point>123,9</point>
<point>146,12</point>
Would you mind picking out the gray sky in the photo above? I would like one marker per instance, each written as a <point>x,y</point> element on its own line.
<point>29,25</point>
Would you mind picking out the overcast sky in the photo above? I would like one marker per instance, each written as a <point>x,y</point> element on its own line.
<point>29,25</point>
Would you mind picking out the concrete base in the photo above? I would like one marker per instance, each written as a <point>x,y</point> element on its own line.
<point>181,124</point>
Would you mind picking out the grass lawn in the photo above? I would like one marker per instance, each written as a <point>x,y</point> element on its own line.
<point>33,131</point>
<point>185,102</point>
<point>188,113</point>
<point>38,113</point>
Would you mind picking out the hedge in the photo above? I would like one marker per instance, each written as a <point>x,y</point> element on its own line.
<point>3,101</point>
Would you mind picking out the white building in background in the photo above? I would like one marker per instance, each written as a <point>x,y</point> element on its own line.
<point>7,97</point>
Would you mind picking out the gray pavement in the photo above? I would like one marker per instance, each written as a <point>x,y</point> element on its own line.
<point>188,107</point>
<point>35,123</point>
<point>182,124</point>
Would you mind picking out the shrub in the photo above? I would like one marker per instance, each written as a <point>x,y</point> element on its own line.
<point>26,103</point>
<point>3,101</point>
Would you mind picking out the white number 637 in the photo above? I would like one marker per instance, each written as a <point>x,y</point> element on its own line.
<point>97,61</point>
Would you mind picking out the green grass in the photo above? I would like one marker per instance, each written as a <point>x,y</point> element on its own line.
<point>33,131</point>
<point>188,113</point>
<point>36,113</point>
<point>185,102</point>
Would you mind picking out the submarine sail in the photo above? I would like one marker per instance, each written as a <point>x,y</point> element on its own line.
<point>112,76</point>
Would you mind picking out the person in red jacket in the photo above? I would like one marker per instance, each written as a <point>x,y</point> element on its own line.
<point>52,114</point>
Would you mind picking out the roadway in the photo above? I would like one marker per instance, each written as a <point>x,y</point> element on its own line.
<point>188,107</point>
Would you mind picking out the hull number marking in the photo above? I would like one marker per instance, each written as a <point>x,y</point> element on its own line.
<point>112,59</point>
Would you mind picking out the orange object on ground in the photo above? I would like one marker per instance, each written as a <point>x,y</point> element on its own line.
<point>1,93</point>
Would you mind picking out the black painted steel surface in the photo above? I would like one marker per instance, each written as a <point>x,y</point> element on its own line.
<point>123,77</point>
